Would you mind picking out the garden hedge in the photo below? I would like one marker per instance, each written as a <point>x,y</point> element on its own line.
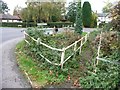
<point>10,24</point>
<point>32,24</point>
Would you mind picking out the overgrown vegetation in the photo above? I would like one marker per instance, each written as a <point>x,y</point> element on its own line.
<point>77,72</point>
<point>107,73</point>
<point>39,76</point>
<point>50,74</point>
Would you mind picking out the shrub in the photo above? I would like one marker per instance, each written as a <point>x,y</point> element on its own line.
<point>59,24</point>
<point>107,74</point>
<point>115,13</point>
<point>94,21</point>
<point>87,14</point>
<point>110,42</point>
<point>29,24</point>
<point>102,24</point>
<point>78,27</point>
<point>10,24</point>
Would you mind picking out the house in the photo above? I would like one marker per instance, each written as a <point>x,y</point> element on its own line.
<point>103,17</point>
<point>9,18</point>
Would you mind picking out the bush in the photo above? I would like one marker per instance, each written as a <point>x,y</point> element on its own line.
<point>102,24</point>
<point>110,42</point>
<point>59,24</point>
<point>107,74</point>
<point>15,24</point>
<point>115,13</point>
<point>10,24</point>
<point>29,24</point>
<point>87,14</point>
<point>32,24</point>
<point>94,21</point>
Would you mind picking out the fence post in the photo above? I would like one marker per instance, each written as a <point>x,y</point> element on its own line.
<point>81,46</point>
<point>38,41</point>
<point>75,46</point>
<point>62,57</point>
<point>86,37</point>
<point>98,52</point>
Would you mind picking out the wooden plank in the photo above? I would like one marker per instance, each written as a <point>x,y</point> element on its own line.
<point>50,47</point>
<point>49,61</point>
<point>75,46</point>
<point>27,42</point>
<point>68,57</point>
<point>105,60</point>
<point>62,57</point>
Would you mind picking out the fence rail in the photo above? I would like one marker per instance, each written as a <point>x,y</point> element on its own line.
<point>103,59</point>
<point>63,50</point>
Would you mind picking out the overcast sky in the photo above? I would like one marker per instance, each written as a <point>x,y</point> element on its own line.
<point>96,5</point>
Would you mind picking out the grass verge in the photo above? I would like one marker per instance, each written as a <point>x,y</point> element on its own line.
<point>39,77</point>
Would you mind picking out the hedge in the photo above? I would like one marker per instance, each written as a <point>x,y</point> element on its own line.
<point>60,24</point>
<point>11,24</point>
<point>32,24</point>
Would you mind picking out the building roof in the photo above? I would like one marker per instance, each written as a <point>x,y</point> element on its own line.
<point>9,17</point>
<point>102,14</point>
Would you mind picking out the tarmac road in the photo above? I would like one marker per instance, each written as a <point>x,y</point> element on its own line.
<point>11,76</point>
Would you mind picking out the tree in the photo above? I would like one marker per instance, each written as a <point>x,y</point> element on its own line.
<point>24,14</point>
<point>94,20</point>
<point>107,7</point>
<point>17,10</point>
<point>43,12</point>
<point>115,14</point>
<point>78,27</point>
<point>4,8</point>
<point>72,10</point>
<point>87,14</point>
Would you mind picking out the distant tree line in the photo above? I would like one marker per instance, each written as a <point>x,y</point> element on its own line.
<point>42,12</point>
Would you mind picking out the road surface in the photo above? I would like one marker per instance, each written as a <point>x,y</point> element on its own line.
<point>10,33</point>
<point>11,75</point>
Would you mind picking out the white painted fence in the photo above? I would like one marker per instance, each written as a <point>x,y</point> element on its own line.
<point>63,50</point>
<point>102,59</point>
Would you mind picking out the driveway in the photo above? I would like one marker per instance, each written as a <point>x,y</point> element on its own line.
<point>11,75</point>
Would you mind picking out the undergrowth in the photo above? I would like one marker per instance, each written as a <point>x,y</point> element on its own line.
<point>79,70</point>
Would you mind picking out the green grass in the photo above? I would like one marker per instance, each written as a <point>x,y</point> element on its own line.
<point>37,75</point>
<point>84,33</point>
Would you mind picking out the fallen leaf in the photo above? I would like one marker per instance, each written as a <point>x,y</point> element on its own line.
<point>68,77</point>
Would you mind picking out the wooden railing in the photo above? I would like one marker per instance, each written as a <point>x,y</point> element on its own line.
<point>103,58</point>
<point>82,41</point>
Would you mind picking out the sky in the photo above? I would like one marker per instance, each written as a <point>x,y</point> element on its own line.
<point>96,5</point>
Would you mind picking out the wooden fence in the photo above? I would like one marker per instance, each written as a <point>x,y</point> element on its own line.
<point>102,59</point>
<point>82,41</point>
